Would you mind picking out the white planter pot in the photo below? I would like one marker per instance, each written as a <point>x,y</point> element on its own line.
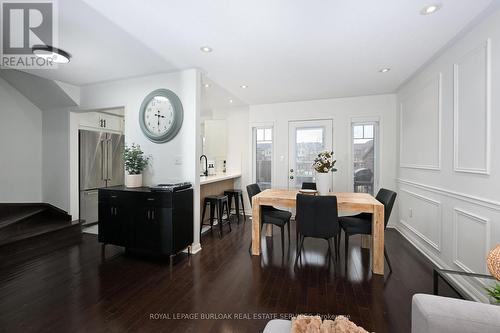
<point>323,182</point>
<point>133,180</point>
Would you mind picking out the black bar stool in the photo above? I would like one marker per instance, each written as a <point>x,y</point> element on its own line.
<point>219,202</point>
<point>238,196</point>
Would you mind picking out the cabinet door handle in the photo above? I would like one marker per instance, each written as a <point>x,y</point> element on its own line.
<point>116,211</point>
<point>112,211</point>
<point>152,214</point>
<point>149,213</point>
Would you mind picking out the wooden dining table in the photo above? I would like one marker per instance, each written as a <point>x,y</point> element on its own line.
<point>347,203</point>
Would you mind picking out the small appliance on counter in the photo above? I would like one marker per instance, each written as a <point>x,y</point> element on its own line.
<point>170,187</point>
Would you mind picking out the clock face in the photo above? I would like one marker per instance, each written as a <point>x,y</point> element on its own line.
<point>159,115</point>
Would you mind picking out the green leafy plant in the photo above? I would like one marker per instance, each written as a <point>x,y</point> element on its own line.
<point>324,163</point>
<point>135,160</point>
<point>494,292</point>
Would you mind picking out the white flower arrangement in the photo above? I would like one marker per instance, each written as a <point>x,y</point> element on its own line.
<point>324,163</point>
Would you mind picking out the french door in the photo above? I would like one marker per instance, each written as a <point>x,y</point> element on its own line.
<point>305,140</point>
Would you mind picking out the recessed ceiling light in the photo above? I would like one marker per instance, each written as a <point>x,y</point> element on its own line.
<point>206,49</point>
<point>207,85</point>
<point>430,9</point>
<point>51,53</point>
<point>244,86</point>
<point>384,70</point>
<point>230,101</point>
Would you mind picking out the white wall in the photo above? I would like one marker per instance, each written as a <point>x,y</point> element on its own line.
<point>342,111</point>
<point>55,165</point>
<point>450,160</point>
<point>20,147</point>
<point>184,147</point>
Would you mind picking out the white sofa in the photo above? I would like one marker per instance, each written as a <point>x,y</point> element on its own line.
<point>436,314</point>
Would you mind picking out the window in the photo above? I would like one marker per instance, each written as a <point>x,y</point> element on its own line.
<point>364,156</point>
<point>263,153</point>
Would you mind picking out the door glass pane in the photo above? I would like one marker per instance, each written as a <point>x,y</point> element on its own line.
<point>263,157</point>
<point>358,132</point>
<point>309,142</point>
<point>364,157</point>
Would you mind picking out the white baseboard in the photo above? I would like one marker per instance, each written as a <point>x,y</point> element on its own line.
<point>195,248</point>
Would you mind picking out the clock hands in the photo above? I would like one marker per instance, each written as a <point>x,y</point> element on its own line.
<point>159,116</point>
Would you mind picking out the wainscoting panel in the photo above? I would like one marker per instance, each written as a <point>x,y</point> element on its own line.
<point>420,122</point>
<point>452,229</point>
<point>415,213</point>
<point>472,108</point>
<point>470,229</point>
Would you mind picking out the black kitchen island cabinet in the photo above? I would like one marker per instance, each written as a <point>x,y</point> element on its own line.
<point>140,219</point>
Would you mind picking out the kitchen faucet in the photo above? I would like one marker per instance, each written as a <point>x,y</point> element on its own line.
<point>205,173</point>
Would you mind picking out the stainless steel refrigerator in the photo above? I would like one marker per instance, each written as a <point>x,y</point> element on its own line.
<point>101,165</point>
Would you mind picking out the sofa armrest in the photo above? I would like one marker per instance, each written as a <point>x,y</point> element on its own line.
<point>433,314</point>
<point>278,326</point>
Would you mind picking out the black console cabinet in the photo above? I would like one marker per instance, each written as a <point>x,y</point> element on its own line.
<point>158,222</point>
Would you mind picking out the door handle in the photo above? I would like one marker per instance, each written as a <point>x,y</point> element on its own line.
<point>103,159</point>
<point>152,214</point>
<point>109,157</point>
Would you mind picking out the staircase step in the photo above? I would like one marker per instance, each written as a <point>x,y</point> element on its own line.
<point>35,244</point>
<point>31,227</point>
<point>20,214</point>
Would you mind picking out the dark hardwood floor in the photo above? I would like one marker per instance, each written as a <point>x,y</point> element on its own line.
<point>74,290</point>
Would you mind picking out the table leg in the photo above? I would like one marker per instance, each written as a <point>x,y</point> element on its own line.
<point>269,230</point>
<point>435,281</point>
<point>256,228</point>
<point>365,241</point>
<point>378,240</point>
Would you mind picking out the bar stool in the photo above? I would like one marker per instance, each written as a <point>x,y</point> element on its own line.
<point>219,202</point>
<point>238,196</point>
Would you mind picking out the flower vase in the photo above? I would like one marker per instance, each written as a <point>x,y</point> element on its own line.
<point>133,181</point>
<point>323,181</point>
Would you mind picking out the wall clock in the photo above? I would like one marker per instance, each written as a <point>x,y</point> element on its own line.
<point>161,115</point>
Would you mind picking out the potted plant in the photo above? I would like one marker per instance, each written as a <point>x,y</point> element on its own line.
<point>135,163</point>
<point>324,164</point>
<point>494,293</point>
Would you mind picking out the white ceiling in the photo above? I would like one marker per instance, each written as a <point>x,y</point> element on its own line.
<point>284,50</point>
<point>101,51</point>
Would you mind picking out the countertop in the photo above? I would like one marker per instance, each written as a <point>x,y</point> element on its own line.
<point>219,177</point>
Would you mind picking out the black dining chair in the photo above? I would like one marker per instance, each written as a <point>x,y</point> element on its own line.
<point>317,217</point>
<point>309,186</point>
<point>271,215</point>
<point>361,224</point>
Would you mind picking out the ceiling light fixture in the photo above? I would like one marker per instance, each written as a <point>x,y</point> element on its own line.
<point>430,9</point>
<point>207,85</point>
<point>384,70</point>
<point>51,53</point>
<point>206,49</point>
<point>244,86</point>
<point>230,101</point>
